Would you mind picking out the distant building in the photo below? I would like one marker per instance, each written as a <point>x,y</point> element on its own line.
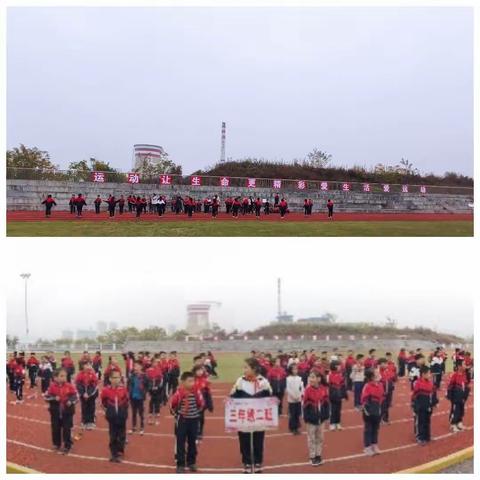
<point>147,154</point>
<point>326,319</point>
<point>87,334</point>
<point>102,327</point>
<point>171,329</point>
<point>284,318</point>
<point>198,318</point>
<point>67,334</point>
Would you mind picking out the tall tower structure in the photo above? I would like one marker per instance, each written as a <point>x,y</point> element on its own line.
<point>222,149</point>
<point>282,317</point>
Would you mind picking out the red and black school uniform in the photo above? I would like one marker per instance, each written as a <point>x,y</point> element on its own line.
<point>213,364</point>
<point>62,399</point>
<point>283,205</point>
<point>69,366</point>
<point>337,393</point>
<point>186,405</point>
<point>330,208</point>
<point>137,390</point>
<point>468,364</point>
<point>202,384</point>
<point>258,207</point>
<point>155,382</point>
<point>106,374</point>
<point>371,400</point>
<point>32,368</point>
<point>278,381</point>
<point>305,207</point>
<point>173,373</point>
<point>79,204</point>
<point>71,204</point>
<point>19,378</point>
<point>303,371</point>
<point>236,207</point>
<point>115,403</point>
<point>97,203</point>
<point>245,206</point>
<point>387,378</point>
<point>402,363</point>
<point>310,206</point>
<point>45,373</point>
<point>85,358</point>
<point>349,363</point>
<point>411,362</point>
<point>112,203</point>
<point>457,392</point>
<point>215,205</point>
<point>276,200</point>
<point>424,399</point>
<point>49,202</point>
<point>10,373</point>
<point>370,363</point>
<point>87,388</point>
<point>121,205</point>
<point>436,368</point>
<point>97,365</point>
<point>228,204</point>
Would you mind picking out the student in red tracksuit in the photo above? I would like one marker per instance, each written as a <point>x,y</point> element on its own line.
<point>304,369</point>
<point>97,364</point>
<point>330,208</point>
<point>79,204</point>
<point>370,362</point>
<point>236,207</point>
<point>387,380</point>
<point>97,203</point>
<point>68,365</point>
<point>283,205</point>
<point>277,377</point>
<point>32,367</point>
<point>111,367</point>
<point>114,400</point>
<point>186,405</point>
<point>424,399</point>
<point>316,410</point>
<point>71,204</point>
<point>49,202</point>
<point>62,397</point>
<point>215,206</point>
<point>371,399</point>
<point>121,204</point>
<point>468,364</point>
<point>258,207</point>
<point>87,388</point>
<point>155,380</point>
<point>202,384</point>
<point>19,378</point>
<point>457,392</point>
<point>337,393</point>
<point>402,362</point>
<point>173,369</point>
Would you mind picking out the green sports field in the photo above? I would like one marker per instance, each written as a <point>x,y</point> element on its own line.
<point>242,229</point>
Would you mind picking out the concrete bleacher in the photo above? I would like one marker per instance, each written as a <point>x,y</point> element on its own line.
<point>28,195</point>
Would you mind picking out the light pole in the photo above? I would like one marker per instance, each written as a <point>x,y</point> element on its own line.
<point>26,276</point>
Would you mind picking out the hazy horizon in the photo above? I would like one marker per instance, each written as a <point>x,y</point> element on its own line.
<point>152,287</point>
<point>368,84</point>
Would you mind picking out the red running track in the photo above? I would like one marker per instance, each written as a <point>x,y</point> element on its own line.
<point>61,215</point>
<point>28,442</point>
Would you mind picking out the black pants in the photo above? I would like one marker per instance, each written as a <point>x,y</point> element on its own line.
<point>155,401</point>
<point>257,211</point>
<point>62,430</point>
<point>283,211</point>
<point>137,408</point>
<point>437,379</point>
<point>139,210</point>
<point>97,207</point>
<point>386,404</point>
<point>348,380</point>
<point>201,423</point>
<point>45,384</point>
<point>79,210</point>
<point>88,409</point>
<point>172,384</point>
<point>457,411</point>
<point>294,412</point>
<point>19,388</point>
<point>72,208</point>
<point>130,207</point>
<point>214,211</point>
<point>121,208</point>
<point>159,210</point>
<point>258,440</point>
<point>235,210</point>
<point>422,425</point>
<point>11,381</point>
<point>335,412</point>
<point>357,393</point>
<point>330,212</point>
<point>33,377</point>
<point>370,431</point>
<point>48,210</point>
<point>186,431</point>
<point>280,394</point>
<point>117,432</point>
<point>111,211</point>
<point>401,368</point>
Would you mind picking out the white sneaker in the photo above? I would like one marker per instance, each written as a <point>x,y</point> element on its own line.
<point>460,426</point>
<point>368,451</point>
<point>339,427</point>
<point>332,427</point>
<point>455,429</point>
<point>375,449</point>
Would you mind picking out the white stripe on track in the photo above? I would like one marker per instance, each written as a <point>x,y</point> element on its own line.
<point>216,469</point>
<point>230,437</point>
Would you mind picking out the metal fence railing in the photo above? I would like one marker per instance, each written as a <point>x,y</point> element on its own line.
<point>225,182</point>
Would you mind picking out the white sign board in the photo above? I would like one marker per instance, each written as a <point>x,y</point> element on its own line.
<point>251,414</point>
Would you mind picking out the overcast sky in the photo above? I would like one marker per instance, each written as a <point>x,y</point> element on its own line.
<point>74,285</point>
<point>367,85</point>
